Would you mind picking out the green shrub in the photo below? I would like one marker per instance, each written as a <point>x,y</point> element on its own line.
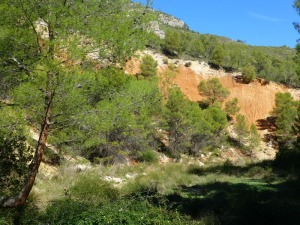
<point>134,210</point>
<point>64,211</point>
<point>6,216</point>
<point>172,45</point>
<point>231,107</point>
<point>15,156</point>
<point>172,66</point>
<point>141,77</point>
<point>148,156</point>
<point>148,66</point>
<point>213,90</point>
<point>92,190</point>
<point>218,56</point>
<point>249,74</point>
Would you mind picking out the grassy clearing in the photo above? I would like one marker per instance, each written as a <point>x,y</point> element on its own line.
<point>172,193</point>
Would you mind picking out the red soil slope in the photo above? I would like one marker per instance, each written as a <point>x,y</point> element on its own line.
<point>255,100</point>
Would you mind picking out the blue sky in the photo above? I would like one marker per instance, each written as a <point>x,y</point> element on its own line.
<point>257,22</point>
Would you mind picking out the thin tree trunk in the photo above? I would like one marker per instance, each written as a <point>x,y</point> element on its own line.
<point>22,196</point>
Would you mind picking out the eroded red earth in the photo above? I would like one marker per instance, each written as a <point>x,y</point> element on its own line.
<point>255,99</point>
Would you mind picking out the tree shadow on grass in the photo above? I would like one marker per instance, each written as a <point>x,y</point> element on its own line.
<point>260,169</point>
<point>257,195</point>
<point>241,203</point>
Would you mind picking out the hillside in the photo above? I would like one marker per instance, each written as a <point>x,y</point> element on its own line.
<point>255,99</point>
<point>101,120</point>
<point>278,64</point>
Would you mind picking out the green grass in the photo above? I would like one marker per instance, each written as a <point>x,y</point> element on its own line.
<point>172,193</point>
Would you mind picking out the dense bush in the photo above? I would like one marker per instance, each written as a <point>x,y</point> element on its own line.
<point>126,127</point>
<point>134,210</point>
<point>148,156</point>
<point>189,126</point>
<point>287,112</point>
<point>249,74</point>
<point>172,45</point>
<point>148,66</point>
<point>218,56</point>
<point>231,107</point>
<point>92,190</point>
<point>15,153</point>
<point>213,90</point>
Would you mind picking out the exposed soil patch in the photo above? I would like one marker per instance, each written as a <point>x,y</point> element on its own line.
<point>256,100</point>
<point>188,81</point>
<point>132,66</point>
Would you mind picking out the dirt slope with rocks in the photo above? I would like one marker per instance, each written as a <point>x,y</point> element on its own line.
<point>256,100</point>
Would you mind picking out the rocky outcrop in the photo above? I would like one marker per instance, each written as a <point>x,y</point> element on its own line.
<point>168,20</point>
<point>156,29</point>
<point>172,21</point>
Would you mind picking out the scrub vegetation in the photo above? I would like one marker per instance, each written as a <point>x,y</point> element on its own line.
<point>113,148</point>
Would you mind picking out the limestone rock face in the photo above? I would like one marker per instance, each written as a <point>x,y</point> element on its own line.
<point>165,19</point>
<point>156,29</point>
<point>172,21</point>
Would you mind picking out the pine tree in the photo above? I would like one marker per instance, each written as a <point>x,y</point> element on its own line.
<point>172,45</point>
<point>249,74</point>
<point>254,138</point>
<point>231,107</point>
<point>213,90</point>
<point>286,112</point>
<point>39,43</point>
<point>177,121</point>
<point>218,56</point>
<point>148,66</point>
<point>241,127</point>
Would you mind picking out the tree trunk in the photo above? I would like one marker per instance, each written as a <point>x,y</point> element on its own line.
<point>21,198</point>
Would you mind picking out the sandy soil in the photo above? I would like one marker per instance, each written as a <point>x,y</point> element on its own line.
<point>256,101</point>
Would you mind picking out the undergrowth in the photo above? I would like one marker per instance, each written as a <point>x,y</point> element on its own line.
<point>172,193</point>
